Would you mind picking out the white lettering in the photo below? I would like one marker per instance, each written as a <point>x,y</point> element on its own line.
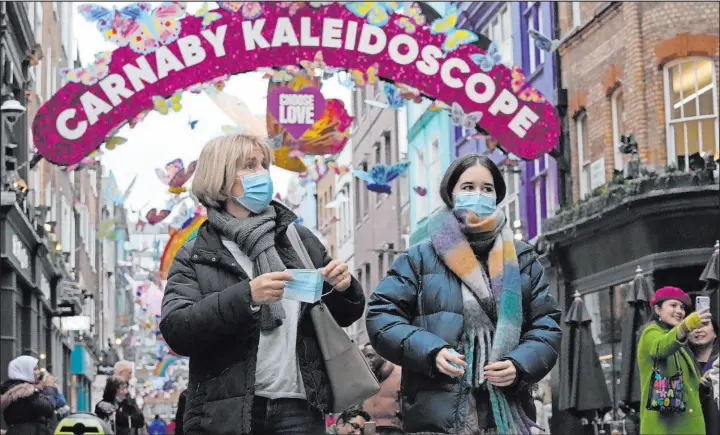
<point>523,121</point>
<point>114,88</point>
<point>412,49</point>
<point>191,50</point>
<point>448,66</point>
<point>351,35</point>
<point>332,33</point>
<point>252,34</point>
<point>506,103</point>
<point>429,64</point>
<point>166,62</point>
<point>64,130</point>
<point>20,252</point>
<point>284,33</point>
<point>471,88</point>
<point>217,40</point>
<point>138,75</point>
<point>366,35</point>
<point>306,38</point>
<point>94,106</point>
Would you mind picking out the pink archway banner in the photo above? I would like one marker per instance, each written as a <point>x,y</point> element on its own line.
<point>80,117</point>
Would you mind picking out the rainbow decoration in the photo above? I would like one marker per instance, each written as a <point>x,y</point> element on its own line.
<point>178,238</point>
<point>161,367</point>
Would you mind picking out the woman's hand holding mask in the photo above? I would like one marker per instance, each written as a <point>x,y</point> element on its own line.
<point>268,287</point>
<point>337,273</point>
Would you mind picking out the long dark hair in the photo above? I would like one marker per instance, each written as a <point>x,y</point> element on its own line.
<point>462,164</point>
<point>112,386</point>
<point>715,345</point>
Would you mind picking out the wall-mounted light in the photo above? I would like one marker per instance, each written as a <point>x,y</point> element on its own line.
<point>517,229</point>
<point>43,356</point>
<point>12,110</point>
<point>118,341</point>
<point>58,247</point>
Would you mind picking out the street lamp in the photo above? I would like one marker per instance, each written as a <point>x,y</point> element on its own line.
<point>11,110</point>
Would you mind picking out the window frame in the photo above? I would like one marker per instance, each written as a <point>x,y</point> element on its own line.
<point>421,203</point>
<point>503,44</point>
<point>511,197</point>
<point>576,14</point>
<point>435,168</point>
<point>618,161</point>
<point>583,161</point>
<point>533,20</point>
<point>671,147</point>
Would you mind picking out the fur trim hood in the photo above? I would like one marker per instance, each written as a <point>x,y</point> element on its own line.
<point>17,392</point>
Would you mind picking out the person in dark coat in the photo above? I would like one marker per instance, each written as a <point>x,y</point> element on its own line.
<point>135,421</point>
<point>255,363</point>
<point>113,407</point>
<point>705,347</point>
<point>467,314</point>
<point>179,415</point>
<point>27,409</point>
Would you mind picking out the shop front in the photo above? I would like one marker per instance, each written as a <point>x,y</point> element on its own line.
<point>665,225</point>
<point>83,374</point>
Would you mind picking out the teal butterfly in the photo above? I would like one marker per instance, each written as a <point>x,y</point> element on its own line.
<point>377,13</point>
<point>454,37</point>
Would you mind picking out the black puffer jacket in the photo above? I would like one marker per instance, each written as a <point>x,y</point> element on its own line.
<point>206,315</point>
<point>26,409</point>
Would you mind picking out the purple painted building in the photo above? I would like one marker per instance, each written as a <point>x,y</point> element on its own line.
<point>532,186</point>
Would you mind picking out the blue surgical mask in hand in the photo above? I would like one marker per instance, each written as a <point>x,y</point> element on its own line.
<point>306,286</point>
<point>257,191</point>
<point>481,204</point>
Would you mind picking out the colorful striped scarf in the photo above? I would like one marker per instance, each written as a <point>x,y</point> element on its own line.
<point>453,236</point>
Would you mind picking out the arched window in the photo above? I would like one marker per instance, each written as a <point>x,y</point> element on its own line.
<point>691,110</point>
<point>583,153</point>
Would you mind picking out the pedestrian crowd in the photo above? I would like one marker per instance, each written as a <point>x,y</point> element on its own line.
<point>461,327</point>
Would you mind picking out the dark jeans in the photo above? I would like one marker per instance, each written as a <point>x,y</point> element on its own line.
<point>285,417</point>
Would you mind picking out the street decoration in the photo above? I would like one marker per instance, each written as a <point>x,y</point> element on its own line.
<point>296,111</point>
<point>462,119</point>
<point>378,178</point>
<point>153,216</point>
<point>112,191</point>
<point>164,105</point>
<point>114,141</point>
<point>162,366</point>
<point>162,51</point>
<point>175,175</point>
<point>394,99</point>
<point>91,74</point>
<point>177,239</point>
<point>421,191</point>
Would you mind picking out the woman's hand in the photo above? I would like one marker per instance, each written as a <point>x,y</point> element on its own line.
<point>337,273</point>
<point>693,322</point>
<point>501,373</point>
<point>268,287</point>
<point>443,360</point>
<point>706,379</point>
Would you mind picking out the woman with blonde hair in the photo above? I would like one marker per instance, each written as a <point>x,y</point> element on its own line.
<point>255,364</point>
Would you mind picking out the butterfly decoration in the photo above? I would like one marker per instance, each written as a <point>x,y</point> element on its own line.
<point>315,67</point>
<point>275,142</point>
<point>86,161</point>
<point>543,42</point>
<point>489,60</point>
<point>138,119</point>
<point>106,228</point>
<point>296,6</point>
<point>438,105</point>
<point>91,74</point>
<point>454,37</point>
<point>110,22</point>
<point>207,16</point>
<point>378,178</point>
<point>420,190</point>
<point>393,96</point>
<point>231,130</point>
<point>411,22</point>
<point>277,76</point>
<point>143,28</point>
<point>522,88</point>
<point>409,93</point>
<point>175,175</point>
<point>364,78</point>
<point>193,123</point>
<point>346,82</point>
<point>114,141</point>
<point>333,220</point>
<point>462,119</point>
<point>376,13</point>
<point>164,105</point>
<point>249,10</point>
<point>216,84</point>
<point>338,169</point>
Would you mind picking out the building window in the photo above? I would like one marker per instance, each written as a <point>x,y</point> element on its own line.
<point>365,193</point>
<point>368,278</point>
<point>511,204</point>
<point>576,16</point>
<point>381,265</point>
<point>378,153</point>
<point>420,175</point>
<point>691,111</point>
<point>391,256</point>
<point>538,182</point>
<point>499,30</point>
<point>534,21</point>
<point>387,145</point>
<point>435,174</point>
<point>357,200</point>
<point>618,125</point>
<point>550,196</point>
<point>583,152</point>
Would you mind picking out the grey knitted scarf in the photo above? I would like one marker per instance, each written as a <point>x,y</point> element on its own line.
<point>255,236</point>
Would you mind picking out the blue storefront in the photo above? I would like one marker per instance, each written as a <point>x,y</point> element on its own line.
<point>83,365</point>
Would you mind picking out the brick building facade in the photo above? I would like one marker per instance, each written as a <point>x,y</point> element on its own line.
<point>619,60</point>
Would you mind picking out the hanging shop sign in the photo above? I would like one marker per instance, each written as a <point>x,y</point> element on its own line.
<point>17,251</point>
<point>372,41</point>
<point>105,369</point>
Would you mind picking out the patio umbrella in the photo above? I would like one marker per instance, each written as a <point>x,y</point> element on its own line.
<point>582,382</point>
<point>711,277</point>
<point>637,315</point>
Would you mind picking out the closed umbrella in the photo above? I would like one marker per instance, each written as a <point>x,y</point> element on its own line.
<point>582,383</point>
<point>711,277</point>
<point>638,314</point>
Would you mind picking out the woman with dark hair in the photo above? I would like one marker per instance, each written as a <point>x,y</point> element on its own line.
<point>705,346</point>
<point>112,408</point>
<point>662,345</point>
<point>467,314</point>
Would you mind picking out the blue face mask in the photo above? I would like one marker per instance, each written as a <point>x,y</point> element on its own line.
<point>257,191</point>
<point>306,285</point>
<point>482,205</point>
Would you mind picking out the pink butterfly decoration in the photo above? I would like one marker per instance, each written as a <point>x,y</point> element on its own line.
<point>420,190</point>
<point>153,216</point>
<point>249,10</point>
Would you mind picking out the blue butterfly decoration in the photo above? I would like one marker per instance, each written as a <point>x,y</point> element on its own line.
<point>377,13</point>
<point>489,60</point>
<point>346,82</point>
<point>394,98</point>
<point>193,123</point>
<point>379,177</point>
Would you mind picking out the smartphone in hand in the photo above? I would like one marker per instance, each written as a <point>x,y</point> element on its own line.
<point>702,302</point>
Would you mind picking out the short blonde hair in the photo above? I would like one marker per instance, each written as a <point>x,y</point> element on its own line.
<point>217,163</point>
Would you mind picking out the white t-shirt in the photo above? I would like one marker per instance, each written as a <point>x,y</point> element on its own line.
<point>277,372</point>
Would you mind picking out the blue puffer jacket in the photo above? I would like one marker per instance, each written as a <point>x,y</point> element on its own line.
<point>418,309</point>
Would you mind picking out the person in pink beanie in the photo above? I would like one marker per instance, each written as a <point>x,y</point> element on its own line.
<point>663,345</point>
